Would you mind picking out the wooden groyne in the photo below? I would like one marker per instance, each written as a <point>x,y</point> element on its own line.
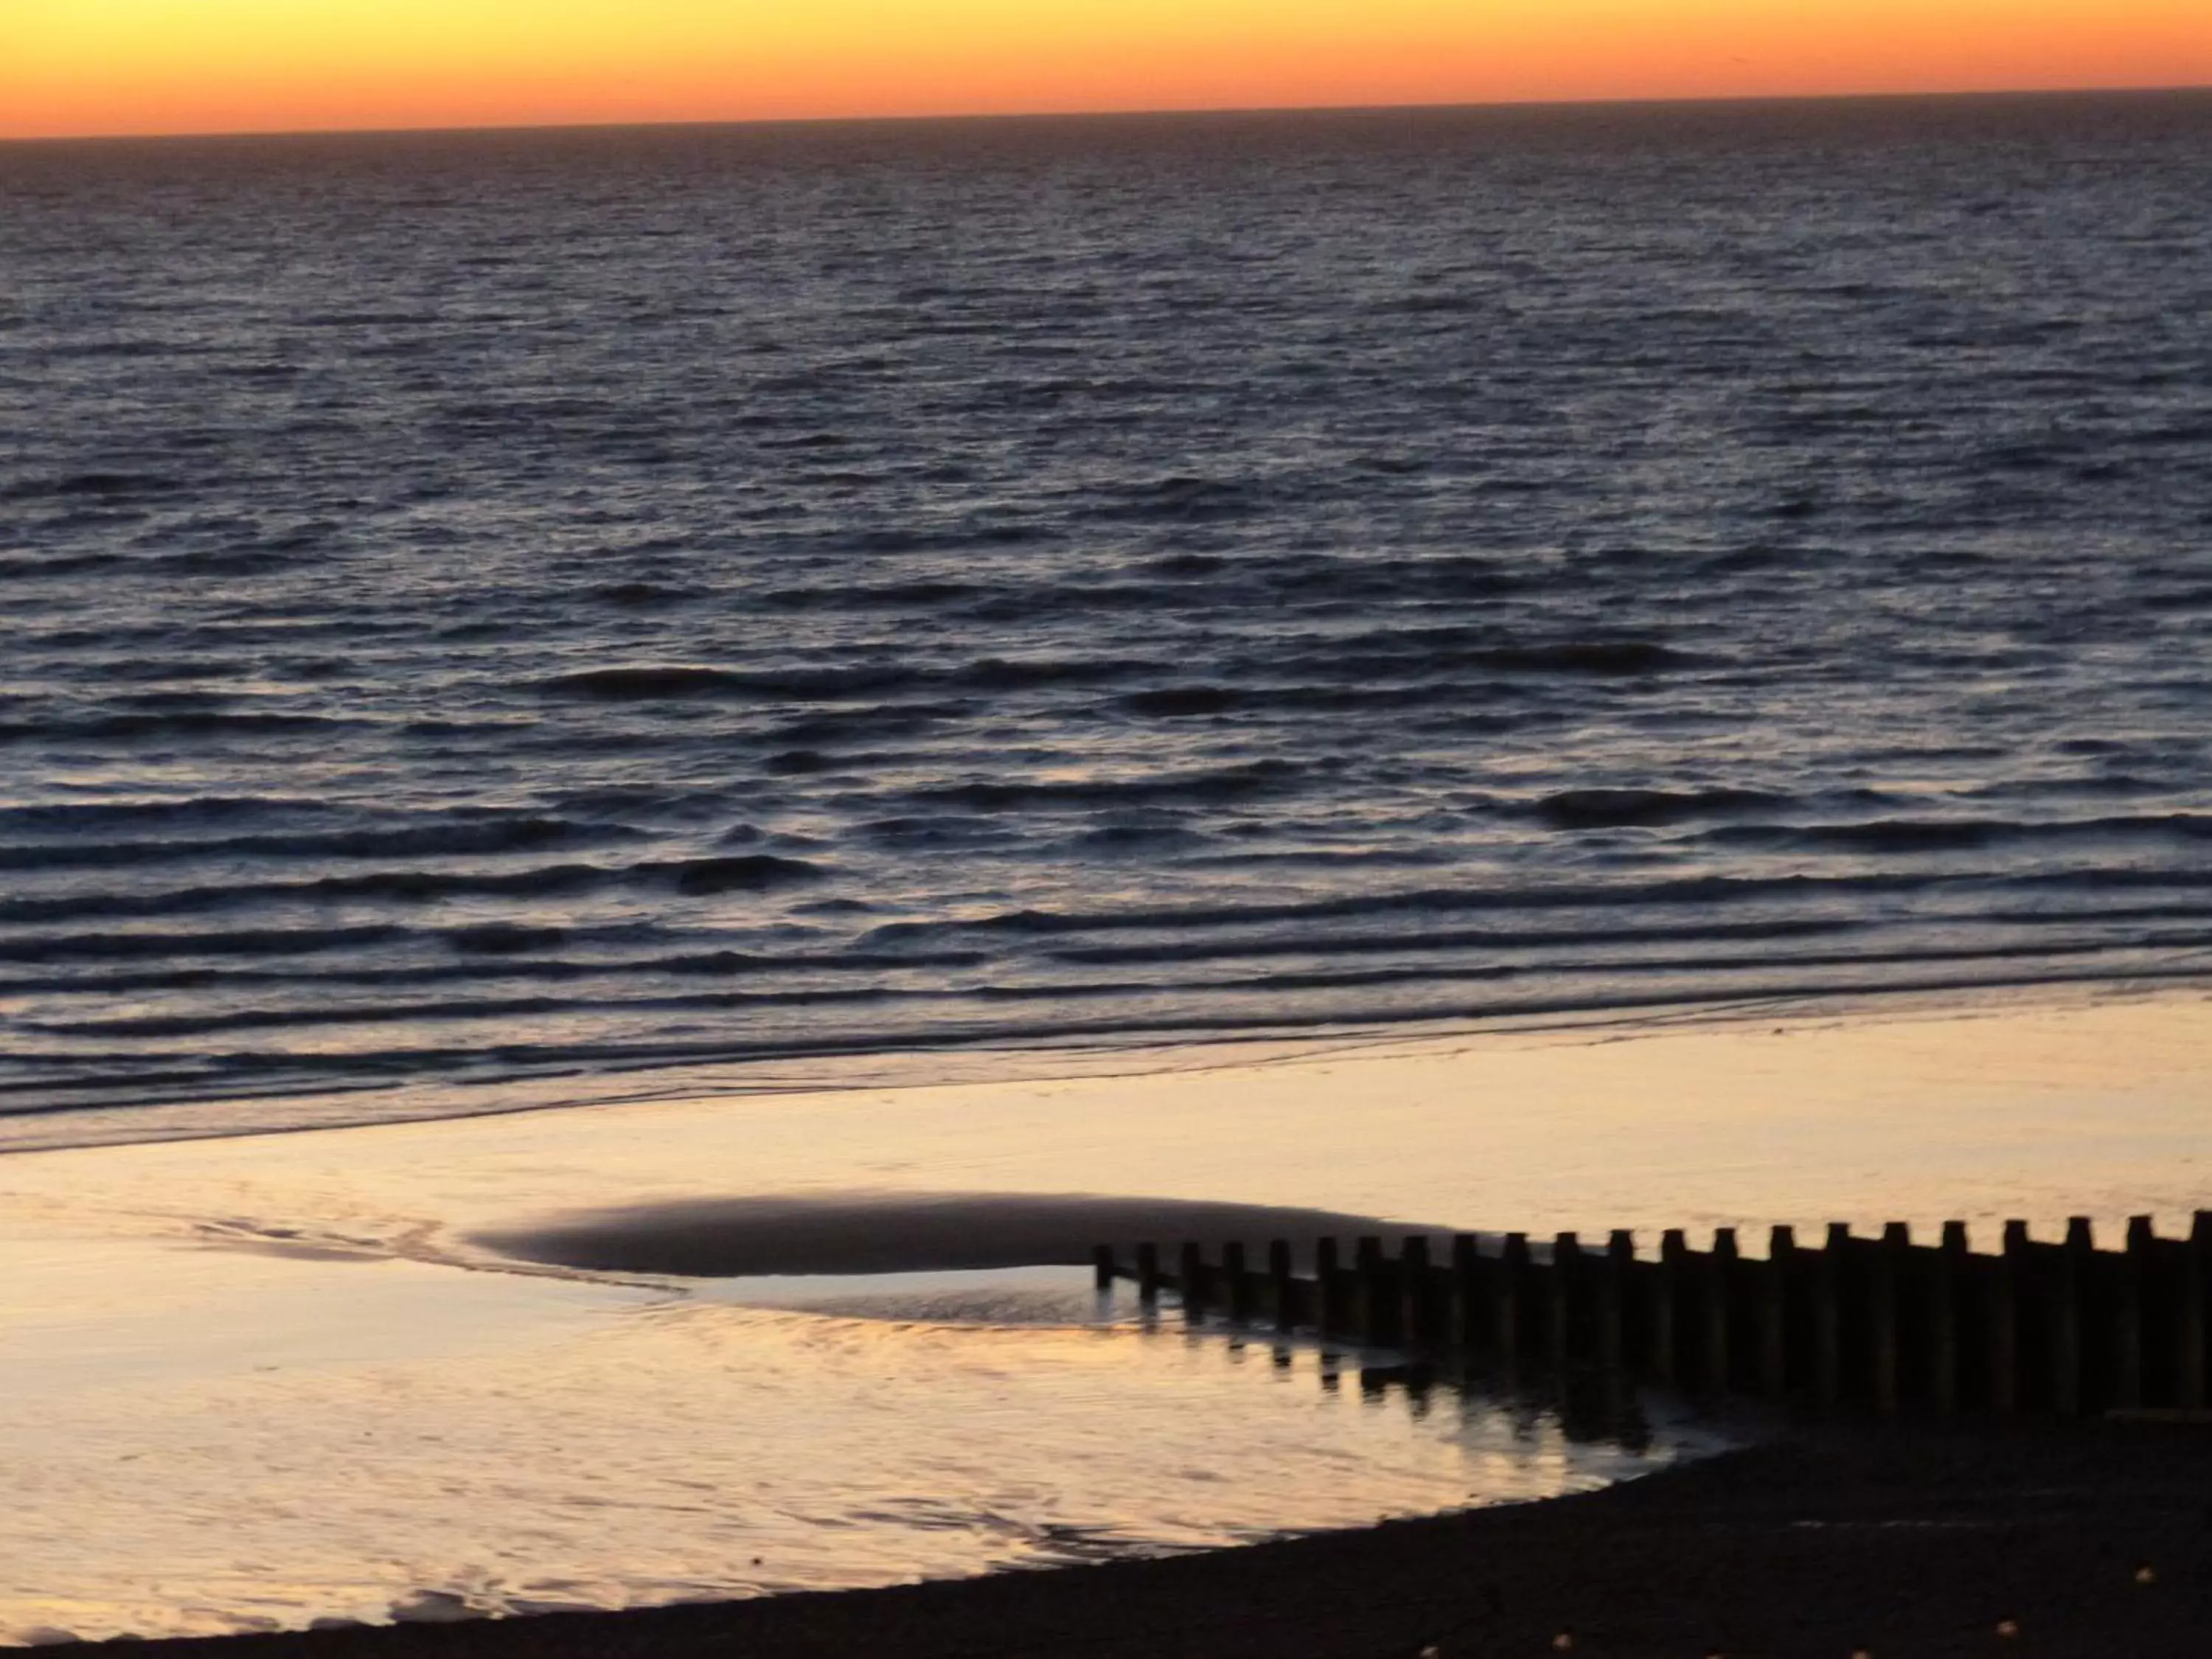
<point>2058,1326</point>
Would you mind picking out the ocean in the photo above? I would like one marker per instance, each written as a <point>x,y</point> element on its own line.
<point>494,617</point>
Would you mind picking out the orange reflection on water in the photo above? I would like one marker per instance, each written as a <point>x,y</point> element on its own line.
<point>623,1449</point>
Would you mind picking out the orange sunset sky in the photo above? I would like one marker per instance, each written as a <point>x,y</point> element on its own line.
<point>72,67</point>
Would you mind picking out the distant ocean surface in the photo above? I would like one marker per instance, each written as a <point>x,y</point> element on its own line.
<point>540,609</point>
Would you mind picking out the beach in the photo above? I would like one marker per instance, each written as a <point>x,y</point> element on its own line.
<point>450,1369</point>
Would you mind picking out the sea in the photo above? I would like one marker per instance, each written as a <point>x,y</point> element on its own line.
<point>549,607</point>
<point>1448,663</point>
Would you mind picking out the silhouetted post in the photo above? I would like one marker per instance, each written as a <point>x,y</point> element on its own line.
<point>1566,1285</point>
<point>1328,1288</point>
<point>1720,1293</point>
<point>1416,1289</point>
<point>1372,1292</point>
<point>1667,1276</point>
<point>1828,1292</point>
<point>1190,1275</point>
<point>2009,1295</point>
<point>1148,1274</point>
<point>2189,1281</point>
<point>1238,1284</point>
<point>2069,1283</point>
<point>2132,1276</point>
<point>1506,1305</point>
<point>1613,1280</point>
<point>1774,1303</point>
<point>1467,1308</point>
<point>1102,1266</point>
<point>1282,1284</point>
<point>1947,1278</point>
<point>1892,1261</point>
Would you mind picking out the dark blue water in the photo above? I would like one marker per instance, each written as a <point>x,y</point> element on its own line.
<point>486,608</point>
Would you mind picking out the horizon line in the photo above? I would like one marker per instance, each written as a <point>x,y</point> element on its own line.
<point>1137,112</point>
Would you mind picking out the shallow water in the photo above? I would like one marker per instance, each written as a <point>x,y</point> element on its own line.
<point>242,1456</point>
<point>533,606</point>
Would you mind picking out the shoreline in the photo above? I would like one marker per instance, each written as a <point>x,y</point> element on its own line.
<point>1151,1052</point>
<point>2090,1540</point>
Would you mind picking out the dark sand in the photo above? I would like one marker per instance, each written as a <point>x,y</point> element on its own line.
<point>1894,1540</point>
<point>866,1232</point>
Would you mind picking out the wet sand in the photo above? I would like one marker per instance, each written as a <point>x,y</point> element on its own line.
<point>879,1232</point>
<point>2089,1542</point>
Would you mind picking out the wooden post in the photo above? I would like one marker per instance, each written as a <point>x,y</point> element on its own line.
<point>1828,1293</point>
<point>1283,1285</point>
<point>2069,1286</point>
<point>1892,1261</point>
<point>1665,1308</point>
<point>1505,1302</point>
<point>1373,1293</point>
<point>1467,1332</point>
<point>2132,1280</point>
<point>1102,1266</point>
<point>1613,1280</point>
<point>1416,1289</point>
<point>2009,1289</point>
<point>1947,1277</point>
<point>1148,1274</point>
<point>1561,1315</point>
<point>1190,1279</point>
<point>1236,1283</point>
<point>1330,1314</point>
<point>2189,1279</point>
<point>1720,1294</point>
<point>1774,1305</point>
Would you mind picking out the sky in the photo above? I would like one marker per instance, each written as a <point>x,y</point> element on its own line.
<point>89,67</point>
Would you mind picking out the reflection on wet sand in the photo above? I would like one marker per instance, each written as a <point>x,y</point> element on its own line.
<point>1584,1408</point>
